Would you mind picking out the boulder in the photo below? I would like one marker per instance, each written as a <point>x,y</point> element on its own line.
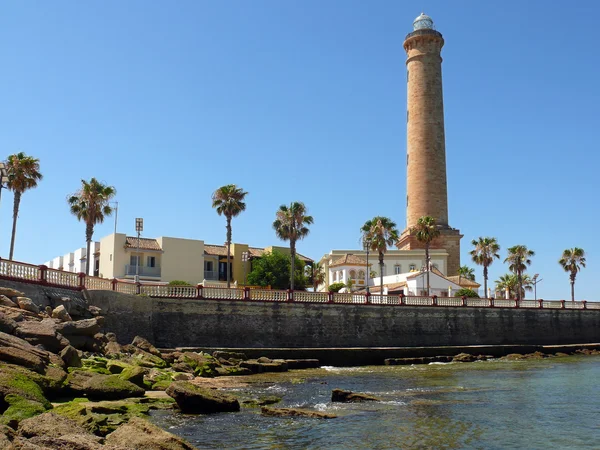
<point>204,365</point>
<point>15,314</point>
<point>182,367</point>
<point>464,357</point>
<point>71,356</point>
<point>5,301</point>
<point>339,395</point>
<point>85,343</point>
<point>252,365</point>
<point>61,314</point>
<point>50,425</point>
<point>116,366</point>
<point>7,325</point>
<point>295,412</point>
<point>95,311</point>
<point>102,387</point>
<point>140,434</point>
<point>195,399</point>
<point>7,435</point>
<point>146,359</point>
<point>23,397</point>
<point>145,345</point>
<point>27,304</point>
<point>180,376</point>
<point>18,351</point>
<point>264,360</point>
<point>229,355</point>
<point>133,374</point>
<point>112,348</point>
<point>42,333</point>
<point>111,337</point>
<point>85,327</point>
<point>11,292</point>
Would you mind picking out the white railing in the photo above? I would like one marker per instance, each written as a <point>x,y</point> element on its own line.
<point>349,298</point>
<point>126,288</point>
<point>449,301</point>
<point>268,295</point>
<point>164,290</point>
<point>61,278</point>
<point>98,284</point>
<point>417,301</point>
<point>478,302</point>
<point>311,297</point>
<point>22,271</point>
<point>213,293</point>
<point>593,305</point>
<point>377,299</point>
<point>504,303</point>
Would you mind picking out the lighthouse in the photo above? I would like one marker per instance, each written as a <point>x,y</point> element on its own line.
<point>426,185</point>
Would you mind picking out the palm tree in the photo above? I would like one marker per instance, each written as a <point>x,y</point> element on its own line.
<point>572,260</point>
<point>91,203</point>
<point>518,260</point>
<point>426,231</point>
<point>486,249</point>
<point>379,233</point>
<point>291,224</point>
<point>228,200</point>
<point>23,174</point>
<point>511,281</point>
<point>318,275</point>
<point>466,272</point>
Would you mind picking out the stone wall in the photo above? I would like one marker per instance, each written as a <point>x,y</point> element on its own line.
<point>45,295</point>
<point>172,323</point>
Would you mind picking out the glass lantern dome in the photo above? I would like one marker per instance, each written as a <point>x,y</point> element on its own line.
<point>423,22</point>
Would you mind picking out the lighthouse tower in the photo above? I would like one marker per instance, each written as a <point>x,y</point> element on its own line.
<point>427,192</point>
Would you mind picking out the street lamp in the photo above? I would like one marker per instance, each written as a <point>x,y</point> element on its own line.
<point>244,260</point>
<point>535,281</point>
<point>367,244</point>
<point>139,227</point>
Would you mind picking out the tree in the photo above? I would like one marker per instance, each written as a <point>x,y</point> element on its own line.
<point>486,249</point>
<point>511,281</point>
<point>317,275</point>
<point>426,231</point>
<point>273,269</point>
<point>23,174</point>
<point>228,200</point>
<point>466,272</point>
<point>572,261</point>
<point>291,224</point>
<point>378,234</point>
<point>466,292</point>
<point>518,259</point>
<point>91,204</point>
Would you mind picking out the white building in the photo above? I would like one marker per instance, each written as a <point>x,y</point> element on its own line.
<point>75,261</point>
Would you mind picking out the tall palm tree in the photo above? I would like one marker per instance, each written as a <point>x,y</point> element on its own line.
<point>91,204</point>
<point>318,275</point>
<point>518,259</point>
<point>23,174</point>
<point>228,200</point>
<point>466,272</point>
<point>379,233</point>
<point>291,224</point>
<point>572,260</point>
<point>426,231</point>
<point>511,281</point>
<point>486,249</point>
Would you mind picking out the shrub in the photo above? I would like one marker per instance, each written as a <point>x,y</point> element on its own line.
<point>465,292</point>
<point>179,283</point>
<point>335,287</point>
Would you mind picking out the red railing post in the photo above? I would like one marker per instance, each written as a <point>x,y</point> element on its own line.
<point>113,282</point>
<point>367,298</point>
<point>434,300</point>
<point>290,295</point>
<point>138,288</point>
<point>562,304</point>
<point>584,304</point>
<point>540,303</point>
<point>246,293</point>
<point>198,291</point>
<point>402,299</point>
<point>491,302</point>
<point>42,274</point>
<point>330,297</point>
<point>81,276</point>
<point>516,302</point>
<point>464,300</point>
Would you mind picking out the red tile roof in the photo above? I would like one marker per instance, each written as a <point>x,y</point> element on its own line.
<point>349,260</point>
<point>145,243</point>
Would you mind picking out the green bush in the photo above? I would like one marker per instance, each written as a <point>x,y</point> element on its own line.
<point>335,287</point>
<point>466,292</point>
<point>179,283</point>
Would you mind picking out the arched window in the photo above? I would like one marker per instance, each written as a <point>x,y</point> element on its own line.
<point>361,274</point>
<point>334,275</point>
<point>353,274</point>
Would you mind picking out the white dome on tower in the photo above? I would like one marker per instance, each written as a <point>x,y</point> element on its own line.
<point>423,22</point>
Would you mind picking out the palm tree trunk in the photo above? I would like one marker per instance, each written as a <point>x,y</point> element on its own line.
<point>380,274</point>
<point>89,232</point>
<point>16,204</point>
<point>427,263</point>
<point>228,252</point>
<point>485,276</point>
<point>292,268</point>
<point>572,290</point>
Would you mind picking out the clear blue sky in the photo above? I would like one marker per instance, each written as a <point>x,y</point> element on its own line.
<point>303,101</point>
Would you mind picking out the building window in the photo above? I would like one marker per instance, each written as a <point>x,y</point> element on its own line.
<point>361,274</point>
<point>397,269</point>
<point>208,266</point>
<point>151,261</point>
<point>353,274</point>
<point>111,257</point>
<point>133,260</point>
<point>412,267</point>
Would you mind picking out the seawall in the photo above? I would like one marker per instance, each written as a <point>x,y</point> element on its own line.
<point>171,323</point>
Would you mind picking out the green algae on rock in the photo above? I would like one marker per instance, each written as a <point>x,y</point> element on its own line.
<point>198,400</point>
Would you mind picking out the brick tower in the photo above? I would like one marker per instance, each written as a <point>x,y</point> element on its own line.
<point>427,193</point>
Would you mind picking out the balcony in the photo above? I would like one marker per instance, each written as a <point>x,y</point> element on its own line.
<point>211,275</point>
<point>144,271</point>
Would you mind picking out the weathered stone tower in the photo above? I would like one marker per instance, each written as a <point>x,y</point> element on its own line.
<point>427,193</point>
